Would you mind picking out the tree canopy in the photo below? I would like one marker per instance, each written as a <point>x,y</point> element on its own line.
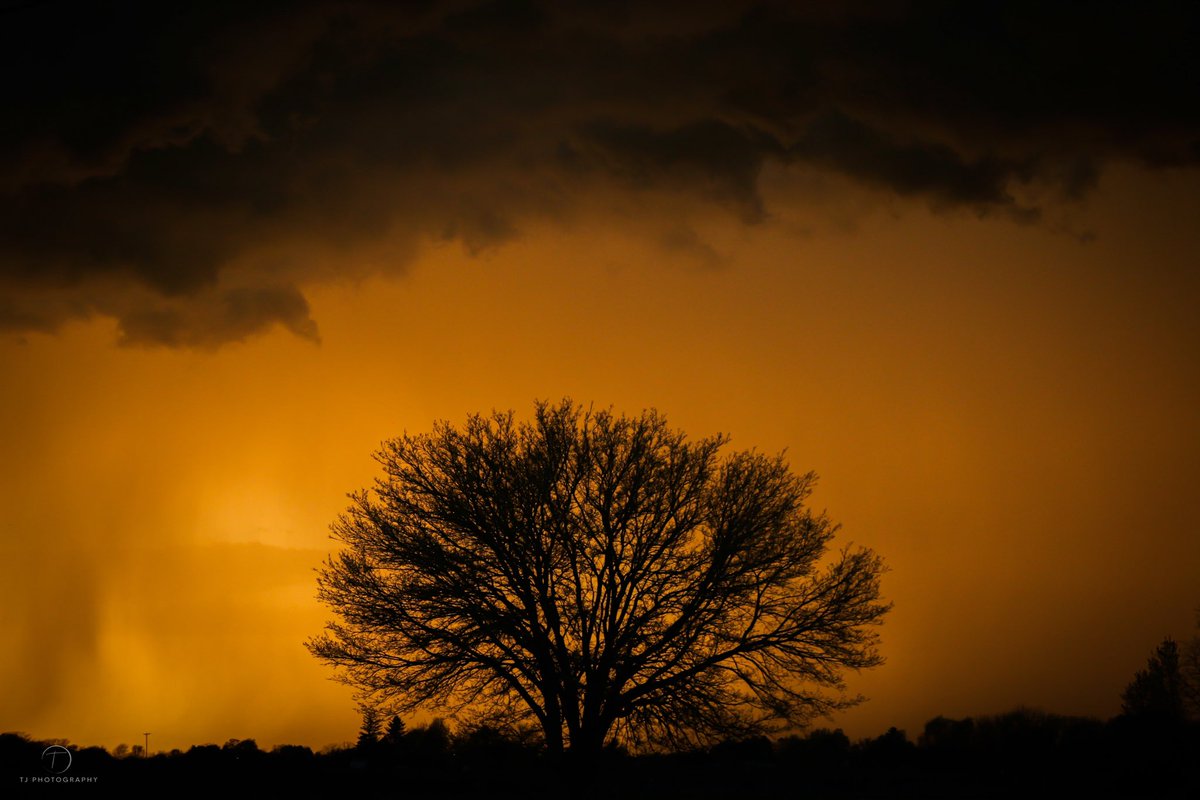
<point>600,575</point>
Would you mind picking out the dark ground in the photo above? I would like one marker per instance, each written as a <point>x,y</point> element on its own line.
<point>1021,754</point>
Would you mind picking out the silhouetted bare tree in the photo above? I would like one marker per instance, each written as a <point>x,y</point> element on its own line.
<point>601,575</point>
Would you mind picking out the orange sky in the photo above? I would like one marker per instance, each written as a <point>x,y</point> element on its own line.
<point>1006,414</point>
<point>944,254</point>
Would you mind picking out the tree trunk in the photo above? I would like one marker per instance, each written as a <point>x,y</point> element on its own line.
<point>552,730</point>
<point>589,742</point>
<point>552,722</point>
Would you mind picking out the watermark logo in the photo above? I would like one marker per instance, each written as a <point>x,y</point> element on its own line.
<point>56,759</point>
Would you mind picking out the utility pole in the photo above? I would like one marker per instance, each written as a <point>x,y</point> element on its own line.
<point>146,752</point>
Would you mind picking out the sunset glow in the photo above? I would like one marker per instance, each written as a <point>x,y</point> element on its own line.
<point>215,312</point>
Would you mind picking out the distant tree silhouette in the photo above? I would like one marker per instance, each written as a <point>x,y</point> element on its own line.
<point>888,749</point>
<point>242,750</point>
<point>395,731</point>
<point>292,753</point>
<point>1157,691</point>
<point>368,735</point>
<point>1189,668</point>
<point>484,743</point>
<point>430,741</point>
<point>600,575</point>
<point>821,752</point>
<point>750,748</point>
<point>944,735</point>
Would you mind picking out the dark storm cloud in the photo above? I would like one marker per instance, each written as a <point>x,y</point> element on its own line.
<point>229,316</point>
<point>933,169</point>
<point>158,162</point>
<point>708,156</point>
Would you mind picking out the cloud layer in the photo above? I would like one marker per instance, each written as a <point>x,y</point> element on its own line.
<point>189,172</point>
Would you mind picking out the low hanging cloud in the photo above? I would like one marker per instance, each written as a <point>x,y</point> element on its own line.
<point>208,321</point>
<point>178,168</point>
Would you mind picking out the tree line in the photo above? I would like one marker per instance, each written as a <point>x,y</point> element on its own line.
<point>1024,753</point>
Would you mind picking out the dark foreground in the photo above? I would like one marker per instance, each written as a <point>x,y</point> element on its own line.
<point>1022,754</point>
